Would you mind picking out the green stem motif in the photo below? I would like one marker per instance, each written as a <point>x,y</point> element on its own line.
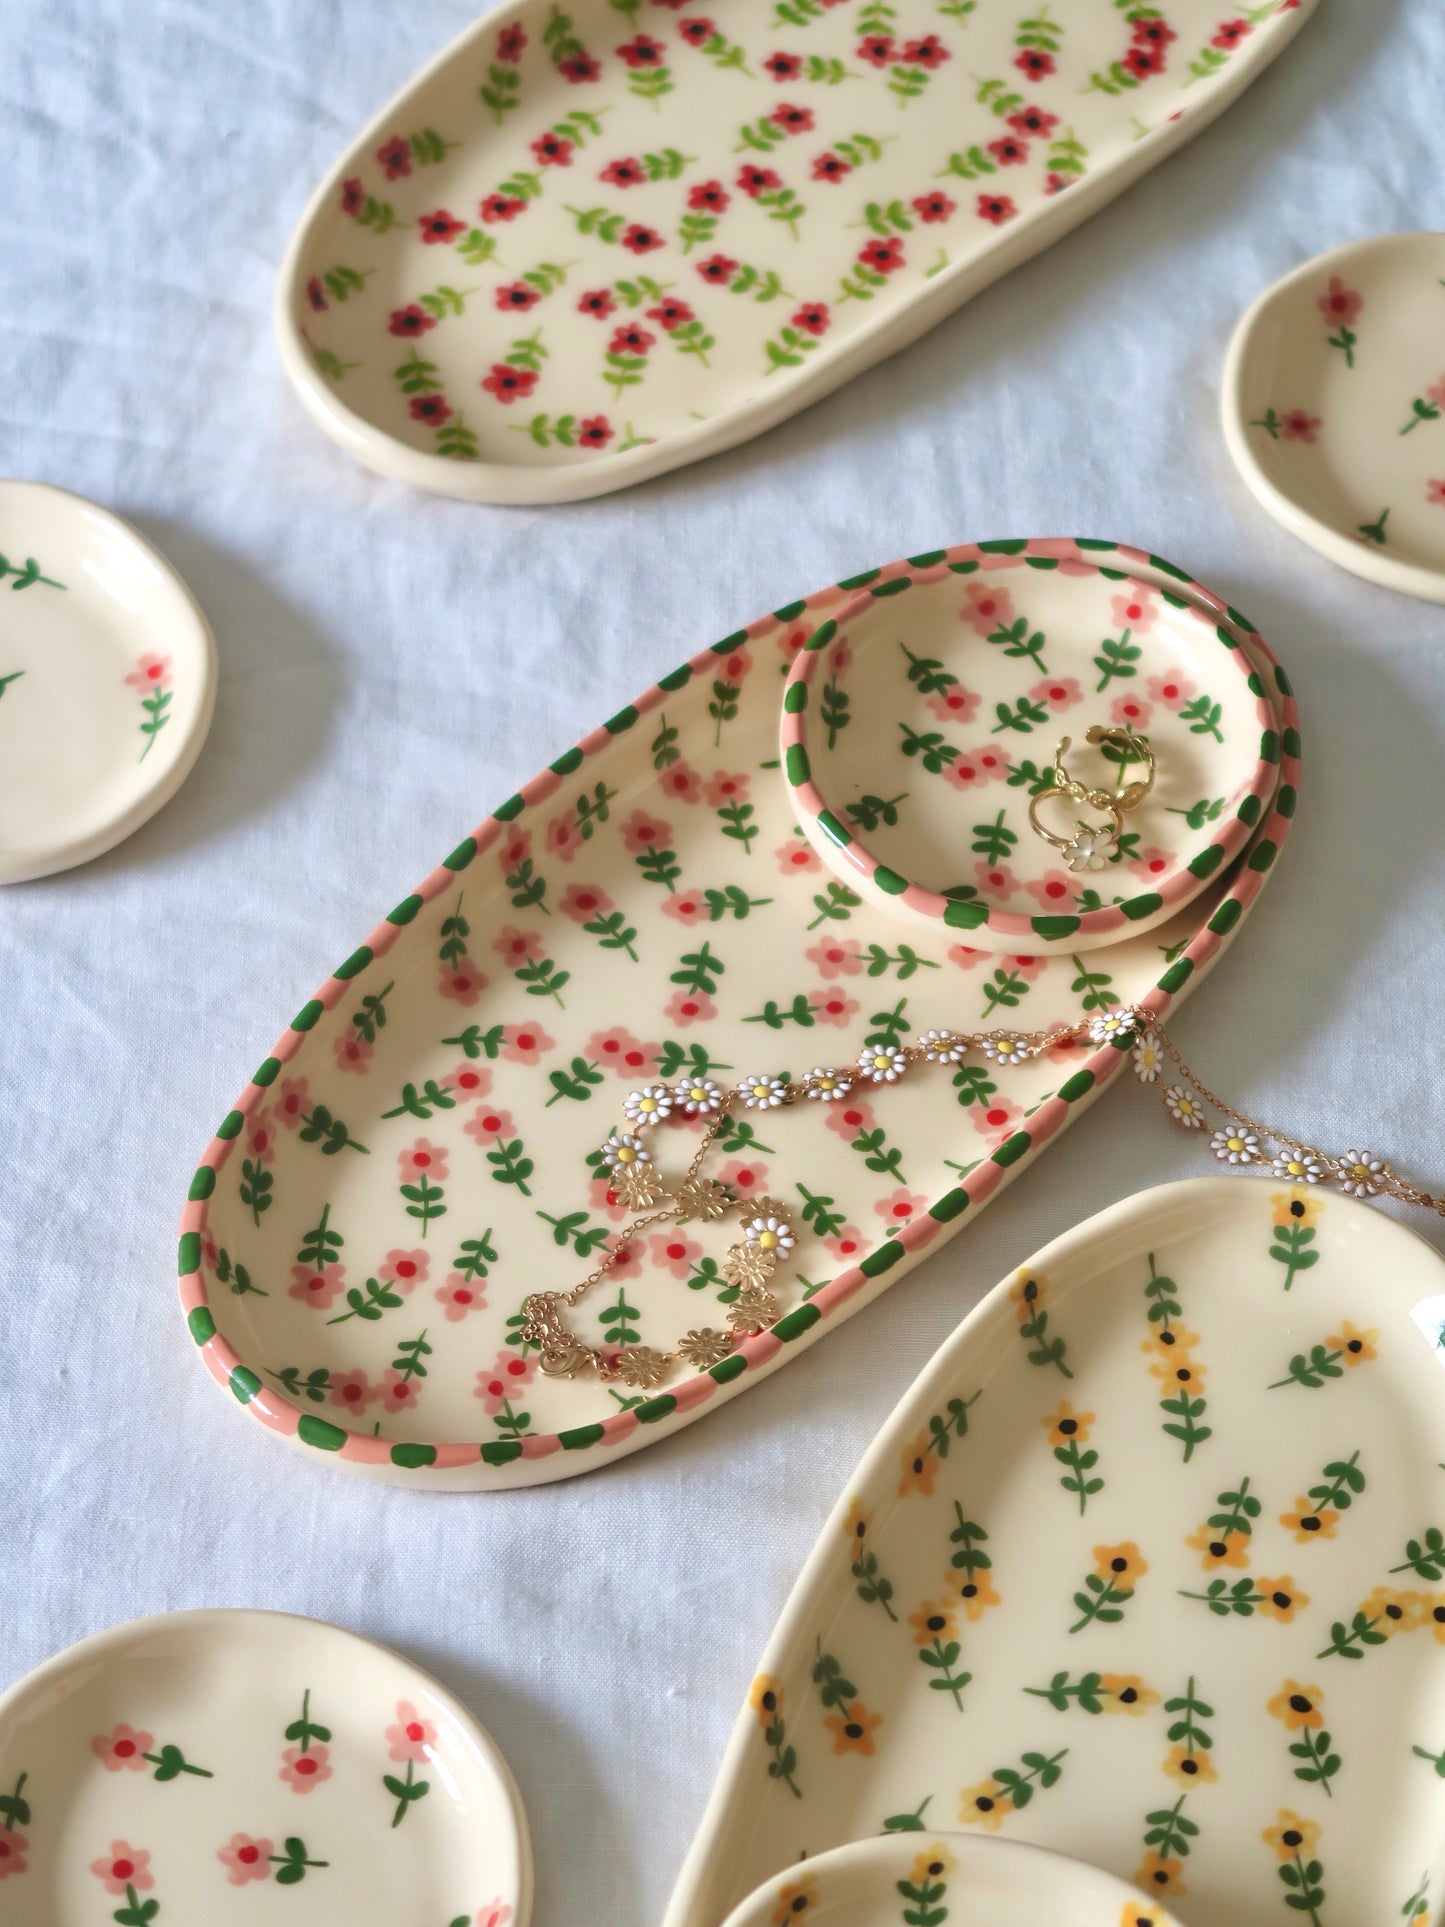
<point>170,1763</point>
<point>136,1912</point>
<point>14,1807</point>
<point>293,1862</point>
<point>1321,1765</point>
<point>1188,1732</point>
<point>925,1896</point>
<point>1293,1239</point>
<point>1375,531</point>
<point>1034,1328</point>
<point>873,1587</point>
<point>908,1822</point>
<point>1303,1878</point>
<point>405,1791</point>
<point>156,704</point>
<point>784,1763</point>
<point>26,575</point>
<point>1184,1408</point>
<point>368,1304</point>
<point>1348,1639</point>
<point>303,1731</point>
<point>5,681</point>
<point>1424,410</point>
<point>1088,1692</point>
<point>1107,1590</point>
<point>1078,1464</point>
<point>942,1655</point>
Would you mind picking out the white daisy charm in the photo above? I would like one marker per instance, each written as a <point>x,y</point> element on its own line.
<point>1007,1048</point>
<point>826,1085</point>
<point>882,1063</point>
<point>697,1097</point>
<point>763,1093</point>
<point>1183,1107</point>
<point>1360,1174</point>
<point>1092,850</point>
<point>1234,1145</point>
<point>624,1152</point>
<point>771,1234</point>
<point>942,1047</point>
<point>1112,1026</point>
<point>650,1105</point>
<point>1148,1061</point>
<point>1296,1166</point>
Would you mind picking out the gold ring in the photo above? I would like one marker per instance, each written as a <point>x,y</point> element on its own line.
<point>1127,748</point>
<point>1093,846</point>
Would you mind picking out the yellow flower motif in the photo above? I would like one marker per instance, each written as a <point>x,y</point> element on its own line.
<point>1296,1207</point>
<point>1432,1609</point>
<point>1127,1693</point>
<point>1028,1291</point>
<point>853,1729</point>
<point>1290,1835</point>
<point>1307,1523</point>
<point>1068,1427</point>
<point>975,1594</point>
<point>1220,1548</point>
<point>1355,1347</point>
<point>795,1900</point>
<point>1178,1342</point>
<point>1298,1706</point>
<point>1160,1876</point>
<point>920,1468</point>
<point>1191,1769</point>
<point>984,1805</point>
<point>1399,1612</point>
<point>1280,1599</point>
<point>857,1526</point>
<point>1120,1566</point>
<point>1135,1915</point>
<point>936,1864</point>
<point>766,1698</point>
<point>1179,1373</point>
<point>933,1621</point>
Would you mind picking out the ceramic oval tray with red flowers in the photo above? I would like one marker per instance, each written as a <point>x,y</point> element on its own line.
<point>583,247</point>
<point>440,1133</point>
<point>182,1769</point>
<point>1148,1565</point>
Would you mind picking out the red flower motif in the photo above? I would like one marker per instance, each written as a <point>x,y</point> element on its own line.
<point>1143,63</point>
<point>997,208</point>
<point>595,432</point>
<point>718,267</point>
<point>552,150</point>
<point>631,340</point>
<point>1153,33</point>
<point>509,384</point>
<point>755,180</point>
<point>440,227</point>
<point>812,317</point>
<point>934,207</point>
<point>783,66</point>
<point>882,256</point>
<point>1056,183</point>
<point>395,157</point>
<point>579,67</point>
<point>877,49</point>
<point>519,295</point>
<point>696,29</point>
<point>641,52</point>
<point>831,167</point>
<point>792,120</point>
<point>353,196</point>
<point>711,195</point>
<point>510,42</point>
<point>670,314</point>
<point>1036,65</point>
<point>626,173</point>
<point>1010,151</point>
<point>1033,122</point>
<point>641,240</point>
<point>928,52</point>
<point>598,302</point>
<point>1341,303</point>
<point>502,207</point>
<point>1230,34</point>
<point>431,409</point>
<point>316,294</point>
<point>412,320</point>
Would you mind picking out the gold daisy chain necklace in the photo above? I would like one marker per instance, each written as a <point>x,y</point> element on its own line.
<point>769,1228</point>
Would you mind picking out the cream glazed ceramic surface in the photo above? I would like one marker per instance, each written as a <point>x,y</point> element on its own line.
<point>107,680</point>
<point>422,1148</point>
<point>1334,408</point>
<point>1148,1565</point>
<point>898,722</point>
<point>233,1768</point>
<point>585,246</point>
<point>946,1880</point>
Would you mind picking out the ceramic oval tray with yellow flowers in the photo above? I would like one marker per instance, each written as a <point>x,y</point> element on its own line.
<point>588,244</point>
<point>634,1098</point>
<point>1148,1566</point>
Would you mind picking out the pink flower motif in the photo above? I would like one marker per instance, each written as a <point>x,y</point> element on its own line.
<point>516,947</point>
<point>901,1207</point>
<point>1436,393</point>
<point>151,672</point>
<point>682,783</point>
<point>1130,712</point>
<point>1054,890</point>
<point>412,1738</point>
<point>292,1102</point>
<point>509,1373</point>
<point>353,1391</point>
<point>688,906</point>
<point>722,789</point>
<point>964,957</point>
<point>836,957</point>
<point>1153,865</point>
<point>833,1007</point>
<point>1137,611</point>
<point>583,902</point>
<point>1298,425</point>
<point>397,1392</point>
<point>352,1051</point>
<point>987,608</point>
<point>1029,968</point>
<point>304,1771</point>
<point>497,1914</point>
<point>460,1296</point>
<point>1435,493</point>
<point>673,1251</point>
<point>956,705</point>
<point>849,1117</point>
<point>124,1750</point>
<point>797,858</point>
<point>14,1847</point>
<point>1057,693</point>
<point>627,1263</point>
<point>1172,690</point>
<point>422,1160</point>
<point>747,1176</point>
<point>468,1080</point>
<point>315,1285</point>
<point>991,760</point>
<point>404,1269</point>
<point>486,1124</point>
<point>966,772</point>
<point>124,1866</point>
<point>995,1118</point>
<point>617,1049</point>
<point>602,1197</point>
<point>847,1244</point>
<point>643,832</point>
<point>687,1007</point>
<point>997,879</point>
<point>261,1138</point>
<point>245,1859</point>
<point>515,848</point>
<point>524,1043</point>
<point>564,839</point>
<point>461,981</point>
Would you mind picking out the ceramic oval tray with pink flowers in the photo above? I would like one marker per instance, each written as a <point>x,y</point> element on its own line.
<point>586,245</point>
<point>233,1768</point>
<point>1149,1566</point>
<point>424,1147</point>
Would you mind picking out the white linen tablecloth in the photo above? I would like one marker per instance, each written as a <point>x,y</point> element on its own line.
<point>391,665</point>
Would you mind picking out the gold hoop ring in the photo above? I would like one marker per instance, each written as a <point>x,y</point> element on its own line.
<point>1093,846</point>
<point>1129,748</point>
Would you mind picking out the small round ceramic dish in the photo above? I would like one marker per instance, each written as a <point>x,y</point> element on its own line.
<point>932,806</point>
<point>107,680</point>
<point>1334,408</point>
<point>927,1879</point>
<point>169,1769</point>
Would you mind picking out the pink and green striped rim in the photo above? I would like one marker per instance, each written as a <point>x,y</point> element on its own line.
<point>760,1354</point>
<point>858,863</point>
